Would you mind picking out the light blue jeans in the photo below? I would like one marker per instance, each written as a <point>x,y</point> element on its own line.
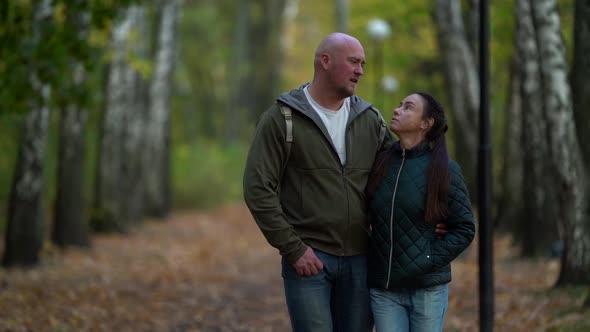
<point>336,299</point>
<point>410,309</point>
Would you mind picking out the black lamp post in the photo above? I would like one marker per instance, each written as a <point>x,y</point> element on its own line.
<point>486,257</point>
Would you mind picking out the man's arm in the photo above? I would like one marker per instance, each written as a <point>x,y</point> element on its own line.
<point>266,160</point>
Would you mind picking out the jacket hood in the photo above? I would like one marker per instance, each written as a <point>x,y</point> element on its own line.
<point>297,100</point>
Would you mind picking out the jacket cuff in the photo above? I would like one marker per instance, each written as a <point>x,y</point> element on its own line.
<point>294,255</point>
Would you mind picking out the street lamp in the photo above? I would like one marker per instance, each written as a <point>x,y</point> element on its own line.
<point>389,84</point>
<point>378,30</point>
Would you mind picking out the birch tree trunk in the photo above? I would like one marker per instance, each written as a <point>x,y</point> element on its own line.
<point>572,176</point>
<point>70,226</point>
<point>24,229</point>
<point>537,230</point>
<point>157,177</point>
<point>135,112</point>
<point>463,85</point>
<point>473,25</point>
<point>119,173</point>
<point>509,210</point>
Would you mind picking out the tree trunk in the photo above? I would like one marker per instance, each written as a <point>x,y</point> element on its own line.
<point>473,25</point>
<point>509,212</point>
<point>241,62</point>
<point>342,15</point>
<point>463,84</point>
<point>157,177</point>
<point>119,173</point>
<point>537,229</point>
<point>567,160</point>
<point>24,229</point>
<point>70,226</point>
<point>268,56</point>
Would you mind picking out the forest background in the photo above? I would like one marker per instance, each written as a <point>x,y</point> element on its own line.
<point>161,98</point>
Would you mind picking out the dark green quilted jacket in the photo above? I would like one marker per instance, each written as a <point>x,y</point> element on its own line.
<point>404,251</point>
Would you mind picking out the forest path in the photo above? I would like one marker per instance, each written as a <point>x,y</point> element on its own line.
<point>214,271</point>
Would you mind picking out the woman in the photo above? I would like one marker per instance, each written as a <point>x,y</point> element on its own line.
<point>414,186</point>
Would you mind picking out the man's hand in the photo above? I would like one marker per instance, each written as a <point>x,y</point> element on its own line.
<point>440,230</point>
<point>308,264</point>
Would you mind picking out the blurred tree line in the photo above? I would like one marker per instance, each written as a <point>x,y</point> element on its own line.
<point>108,65</point>
<point>66,57</point>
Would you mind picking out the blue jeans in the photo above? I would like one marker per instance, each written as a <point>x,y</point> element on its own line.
<point>411,309</point>
<point>336,299</point>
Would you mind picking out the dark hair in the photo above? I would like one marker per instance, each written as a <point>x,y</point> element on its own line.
<point>438,168</point>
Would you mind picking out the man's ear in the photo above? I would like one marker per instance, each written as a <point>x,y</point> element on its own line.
<point>325,59</point>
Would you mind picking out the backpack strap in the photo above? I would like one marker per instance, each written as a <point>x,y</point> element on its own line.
<point>286,110</point>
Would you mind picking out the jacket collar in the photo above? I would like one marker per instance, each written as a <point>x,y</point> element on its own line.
<point>414,152</point>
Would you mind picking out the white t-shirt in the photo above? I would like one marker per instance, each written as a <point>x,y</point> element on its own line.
<point>335,122</point>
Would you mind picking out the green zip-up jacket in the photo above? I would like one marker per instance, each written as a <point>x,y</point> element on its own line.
<point>404,249</point>
<point>305,197</point>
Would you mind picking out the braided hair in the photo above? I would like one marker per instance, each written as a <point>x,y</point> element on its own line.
<point>438,169</point>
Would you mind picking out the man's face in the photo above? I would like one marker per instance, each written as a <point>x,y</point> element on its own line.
<point>346,68</point>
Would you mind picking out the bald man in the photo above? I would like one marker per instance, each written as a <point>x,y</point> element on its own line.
<point>304,185</point>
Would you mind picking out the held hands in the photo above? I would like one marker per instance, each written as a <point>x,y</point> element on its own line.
<point>308,264</point>
<point>440,230</point>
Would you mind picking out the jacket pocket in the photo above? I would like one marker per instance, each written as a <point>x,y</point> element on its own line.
<point>419,261</point>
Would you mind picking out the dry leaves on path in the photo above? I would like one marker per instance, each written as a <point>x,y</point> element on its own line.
<point>194,272</point>
<point>215,272</point>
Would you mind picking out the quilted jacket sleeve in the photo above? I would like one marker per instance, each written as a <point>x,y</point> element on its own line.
<point>460,222</point>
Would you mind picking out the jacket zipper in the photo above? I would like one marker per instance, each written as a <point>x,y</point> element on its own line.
<point>343,169</point>
<point>391,217</point>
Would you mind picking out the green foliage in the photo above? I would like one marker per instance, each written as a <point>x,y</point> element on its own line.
<point>202,80</point>
<point>50,48</point>
<point>207,173</point>
<point>49,51</point>
<point>14,50</point>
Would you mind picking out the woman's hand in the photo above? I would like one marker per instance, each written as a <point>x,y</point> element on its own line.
<point>441,230</point>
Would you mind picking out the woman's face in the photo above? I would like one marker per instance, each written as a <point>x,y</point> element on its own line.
<point>408,117</point>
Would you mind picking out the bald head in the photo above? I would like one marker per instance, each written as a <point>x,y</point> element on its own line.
<point>338,67</point>
<point>333,43</point>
